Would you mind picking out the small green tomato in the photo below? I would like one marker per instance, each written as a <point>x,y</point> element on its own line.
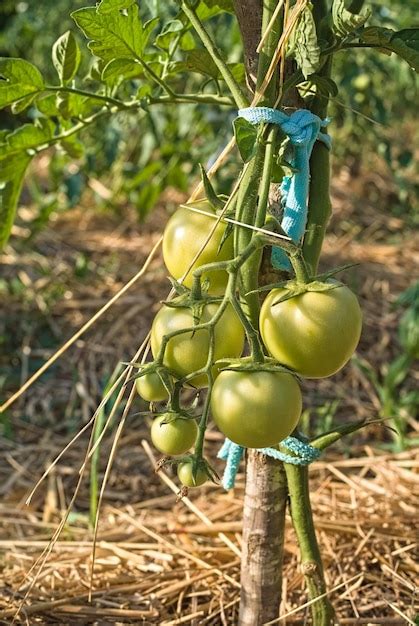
<point>172,434</point>
<point>150,387</point>
<point>185,475</point>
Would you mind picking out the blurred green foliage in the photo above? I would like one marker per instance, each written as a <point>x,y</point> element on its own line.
<point>137,162</point>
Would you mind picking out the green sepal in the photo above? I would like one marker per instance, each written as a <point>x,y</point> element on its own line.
<point>246,364</point>
<point>209,190</point>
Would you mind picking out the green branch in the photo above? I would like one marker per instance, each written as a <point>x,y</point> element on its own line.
<point>311,561</point>
<point>235,89</point>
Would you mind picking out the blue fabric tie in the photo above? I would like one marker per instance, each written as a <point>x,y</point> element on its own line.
<point>303,129</point>
<point>232,454</point>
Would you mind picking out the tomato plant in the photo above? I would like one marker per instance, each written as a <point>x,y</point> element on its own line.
<point>142,65</point>
<point>314,333</point>
<point>256,409</point>
<point>185,234</point>
<point>173,434</point>
<point>188,352</point>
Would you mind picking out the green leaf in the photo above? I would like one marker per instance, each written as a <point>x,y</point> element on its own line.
<point>18,79</point>
<point>47,105</point>
<point>114,33</point>
<point>66,57</point>
<point>316,85</point>
<point>75,105</point>
<point>223,5</point>
<point>207,9</point>
<point>22,104</point>
<point>170,33</point>
<point>119,70</point>
<point>246,134</point>
<point>12,172</point>
<point>27,137</point>
<point>345,22</point>
<point>72,146</point>
<point>404,43</point>
<point>304,45</point>
<point>200,61</point>
<point>209,190</point>
<point>106,6</point>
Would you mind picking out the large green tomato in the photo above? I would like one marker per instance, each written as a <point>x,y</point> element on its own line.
<point>173,437</point>
<point>185,475</point>
<point>183,237</point>
<point>188,352</point>
<point>315,333</point>
<point>256,409</point>
<point>150,387</point>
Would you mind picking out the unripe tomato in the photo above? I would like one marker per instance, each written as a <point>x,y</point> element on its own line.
<point>185,475</point>
<point>173,437</point>
<point>188,352</point>
<point>151,388</point>
<point>315,333</point>
<point>183,237</point>
<point>256,409</point>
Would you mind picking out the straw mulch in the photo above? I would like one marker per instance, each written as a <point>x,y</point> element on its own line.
<point>164,562</point>
<point>159,561</point>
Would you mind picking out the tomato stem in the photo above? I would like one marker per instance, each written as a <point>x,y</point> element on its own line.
<point>235,89</point>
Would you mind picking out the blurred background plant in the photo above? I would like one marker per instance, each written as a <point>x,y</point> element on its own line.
<point>373,114</point>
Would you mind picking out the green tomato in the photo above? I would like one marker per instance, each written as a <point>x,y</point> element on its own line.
<point>188,352</point>
<point>256,409</point>
<point>185,234</point>
<point>173,437</point>
<point>315,333</point>
<point>185,475</point>
<point>150,387</point>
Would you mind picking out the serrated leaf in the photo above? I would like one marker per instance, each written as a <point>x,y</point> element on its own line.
<point>119,70</point>
<point>113,33</point>
<point>27,138</point>
<point>245,134</point>
<point>305,47</point>
<point>12,172</point>
<point>106,6</point>
<point>199,60</point>
<point>66,57</point>
<point>18,78</point>
<point>345,22</point>
<point>404,43</point>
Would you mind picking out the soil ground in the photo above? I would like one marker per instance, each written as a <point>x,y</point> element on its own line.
<point>159,560</point>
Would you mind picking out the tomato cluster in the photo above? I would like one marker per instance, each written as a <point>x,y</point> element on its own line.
<point>308,330</point>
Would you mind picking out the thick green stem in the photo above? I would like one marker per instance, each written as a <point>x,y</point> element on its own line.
<point>311,562</point>
<point>299,266</point>
<point>319,204</point>
<point>319,209</point>
<point>247,203</point>
<point>210,46</point>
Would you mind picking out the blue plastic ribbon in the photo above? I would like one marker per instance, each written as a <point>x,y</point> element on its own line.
<point>303,129</point>
<point>232,454</point>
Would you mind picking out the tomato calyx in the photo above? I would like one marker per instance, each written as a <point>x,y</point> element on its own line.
<point>173,414</point>
<point>164,373</point>
<point>320,282</point>
<point>248,365</point>
<point>195,305</point>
